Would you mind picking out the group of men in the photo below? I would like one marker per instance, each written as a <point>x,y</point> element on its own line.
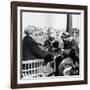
<point>66,59</point>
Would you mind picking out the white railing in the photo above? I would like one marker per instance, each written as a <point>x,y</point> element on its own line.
<point>31,68</point>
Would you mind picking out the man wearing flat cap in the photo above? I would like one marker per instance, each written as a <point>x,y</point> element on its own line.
<point>70,46</point>
<point>70,52</point>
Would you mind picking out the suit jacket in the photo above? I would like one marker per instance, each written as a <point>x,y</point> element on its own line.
<point>73,50</point>
<point>50,46</point>
<point>31,50</point>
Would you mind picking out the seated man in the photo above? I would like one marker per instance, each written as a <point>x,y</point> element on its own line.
<point>31,49</point>
<point>70,52</point>
<point>51,43</point>
<point>53,47</point>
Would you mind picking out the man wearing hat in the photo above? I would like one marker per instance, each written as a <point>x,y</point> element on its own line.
<point>31,49</point>
<point>70,51</point>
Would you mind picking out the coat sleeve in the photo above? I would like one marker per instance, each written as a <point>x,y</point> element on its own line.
<point>35,50</point>
<point>46,44</point>
<point>75,48</point>
<point>74,44</point>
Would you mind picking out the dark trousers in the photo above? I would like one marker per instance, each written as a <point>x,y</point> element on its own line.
<point>58,61</point>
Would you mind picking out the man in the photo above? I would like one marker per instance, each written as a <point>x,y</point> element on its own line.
<point>70,47</point>
<point>31,49</point>
<point>51,43</point>
<point>53,46</point>
<point>70,53</point>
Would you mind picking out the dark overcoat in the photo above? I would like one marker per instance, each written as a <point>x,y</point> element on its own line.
<point>31,49</point>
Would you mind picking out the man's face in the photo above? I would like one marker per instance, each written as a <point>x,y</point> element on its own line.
<point>52,36</point>
<point>66,40</point>
<point>38,36</point>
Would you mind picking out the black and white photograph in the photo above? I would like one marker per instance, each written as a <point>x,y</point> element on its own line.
<point>50,44</point>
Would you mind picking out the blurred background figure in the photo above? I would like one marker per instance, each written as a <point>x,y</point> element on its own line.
<point>75,34</point>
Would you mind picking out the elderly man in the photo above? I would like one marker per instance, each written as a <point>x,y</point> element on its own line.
<point>51,43</point>
<point>71,48</point>
<point>70,55</point>
<point>31,49</point>
<point>53,46</point>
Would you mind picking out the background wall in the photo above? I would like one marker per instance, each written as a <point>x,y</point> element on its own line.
<point>5,44</point>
